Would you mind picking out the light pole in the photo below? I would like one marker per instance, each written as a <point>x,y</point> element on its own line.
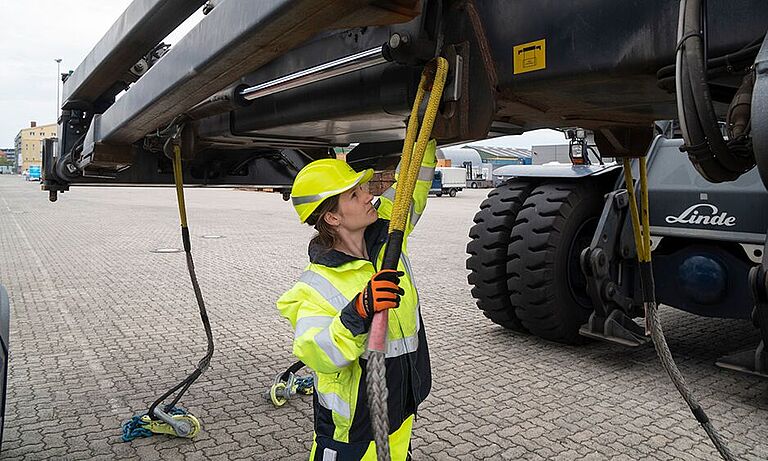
<point>58,78</point>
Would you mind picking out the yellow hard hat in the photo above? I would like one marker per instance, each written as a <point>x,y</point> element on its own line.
<point>322,179</point>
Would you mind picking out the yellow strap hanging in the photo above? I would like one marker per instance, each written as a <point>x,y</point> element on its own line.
<point>177,176</point>
<point>432,80</point>
<point>641,229</point>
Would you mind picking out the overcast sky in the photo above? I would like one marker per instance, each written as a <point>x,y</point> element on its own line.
<point>36,32</point>
<point>32,35</point>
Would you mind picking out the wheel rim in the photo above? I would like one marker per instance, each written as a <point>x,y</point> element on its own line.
<point>577,281</point>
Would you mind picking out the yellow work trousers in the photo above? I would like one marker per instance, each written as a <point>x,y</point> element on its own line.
<point>330,450</point>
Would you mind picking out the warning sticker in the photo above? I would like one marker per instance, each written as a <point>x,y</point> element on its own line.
<point>530,56</point>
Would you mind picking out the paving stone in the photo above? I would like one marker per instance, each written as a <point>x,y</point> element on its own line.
<point>101,326</point>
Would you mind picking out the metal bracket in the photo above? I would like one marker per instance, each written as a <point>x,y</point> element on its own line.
<point>282,390</point>
<point>453,87</point>
<point>596,260</point>
<point>759,116</point>
<point>616,328</point>
<point>754,361</point>
<point>610,321</point>
<point>180,426</point>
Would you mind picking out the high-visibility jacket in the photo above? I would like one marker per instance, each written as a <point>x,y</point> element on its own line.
<point>330,337</point>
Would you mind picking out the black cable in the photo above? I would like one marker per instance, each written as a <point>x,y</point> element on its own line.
<point>719,64</point>
<point>716,159</point>
<point>206,360</point>
<point>596,154</point>
<point>705,32</point>
<point>440,39</point>
<point>693,53</point>
<point>696,146</point>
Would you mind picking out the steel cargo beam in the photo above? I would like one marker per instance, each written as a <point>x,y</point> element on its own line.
<point>237,37</point>
<point>143,24</point>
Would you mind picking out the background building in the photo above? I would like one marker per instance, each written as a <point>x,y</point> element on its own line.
<point>559,153</point>
<point>458,156</point>
<point>551,153</point>
<point>502,155</point>
<point>9,153</point>
<point>7,160</point>
<point>481,160</point>
<point>29,144</point>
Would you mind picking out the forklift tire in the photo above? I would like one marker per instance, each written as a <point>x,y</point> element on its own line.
<point>546,283</point>
<point>452,192</point>
<point>487,251</point>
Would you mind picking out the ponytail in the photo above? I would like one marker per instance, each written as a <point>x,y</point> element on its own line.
<point>326,236</point>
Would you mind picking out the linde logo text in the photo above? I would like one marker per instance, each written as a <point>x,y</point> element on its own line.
<point>703,213</point>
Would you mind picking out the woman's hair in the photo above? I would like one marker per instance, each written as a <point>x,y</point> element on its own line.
<point>326,235</point>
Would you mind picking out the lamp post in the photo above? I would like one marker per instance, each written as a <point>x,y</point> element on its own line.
<point>58,78</point>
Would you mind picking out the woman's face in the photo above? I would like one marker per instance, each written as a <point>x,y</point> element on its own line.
<point>355,210</point>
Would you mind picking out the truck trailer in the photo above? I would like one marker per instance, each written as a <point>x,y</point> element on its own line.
<point>448,180</point>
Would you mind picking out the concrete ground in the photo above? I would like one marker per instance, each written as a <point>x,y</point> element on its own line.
<point>101,326</point>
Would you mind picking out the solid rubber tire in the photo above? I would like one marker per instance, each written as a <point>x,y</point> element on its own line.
<point>540,258</point>
<point>488,248</point>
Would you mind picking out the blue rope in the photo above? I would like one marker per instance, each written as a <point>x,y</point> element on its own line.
<point>305,385</point>
<point>134,428</point>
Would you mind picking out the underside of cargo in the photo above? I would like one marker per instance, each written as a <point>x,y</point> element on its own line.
<point>253,85</point>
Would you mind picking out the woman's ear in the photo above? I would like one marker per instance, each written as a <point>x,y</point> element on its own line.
<point>332,219</point>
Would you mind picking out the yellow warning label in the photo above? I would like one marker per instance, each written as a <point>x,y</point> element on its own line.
<point>530,56</point>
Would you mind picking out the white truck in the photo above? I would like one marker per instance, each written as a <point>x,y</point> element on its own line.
<point>448,180</point>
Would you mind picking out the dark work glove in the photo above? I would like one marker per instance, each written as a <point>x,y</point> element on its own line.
<point>382,292</point>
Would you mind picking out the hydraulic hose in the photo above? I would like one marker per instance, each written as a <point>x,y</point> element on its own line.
<point>641,230</point>
<point>715,158</point>
<point>433,81</point>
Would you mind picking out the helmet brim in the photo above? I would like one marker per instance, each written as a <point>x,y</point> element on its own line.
<point>361,178</point>
<point>365,176</point>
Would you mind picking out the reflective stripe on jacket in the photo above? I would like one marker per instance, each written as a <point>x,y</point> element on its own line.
<point>330,337</point>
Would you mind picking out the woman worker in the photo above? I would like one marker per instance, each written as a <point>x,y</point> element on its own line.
<point>332,305</point>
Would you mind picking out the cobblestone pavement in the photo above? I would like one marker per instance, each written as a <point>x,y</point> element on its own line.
<point>101,326</point>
